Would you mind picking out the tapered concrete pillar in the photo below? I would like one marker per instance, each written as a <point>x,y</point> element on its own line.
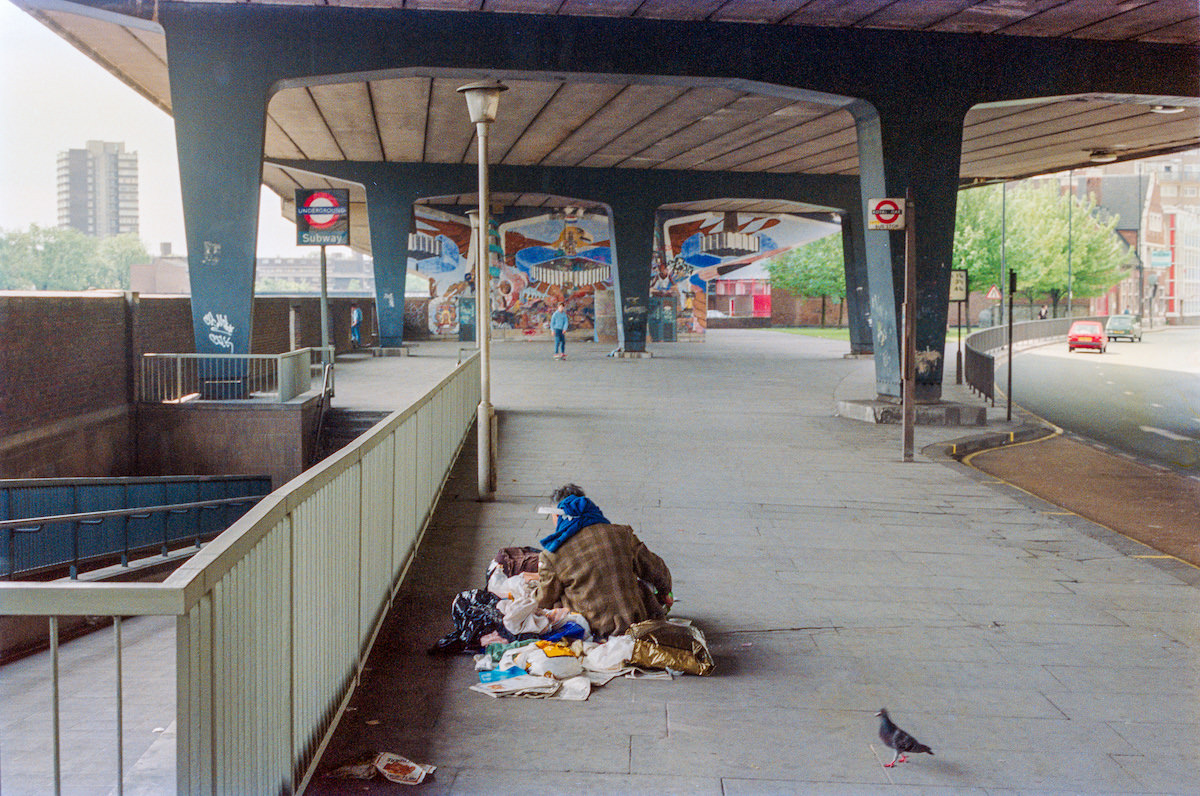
<point>219,99</point>
<point>911,142</point>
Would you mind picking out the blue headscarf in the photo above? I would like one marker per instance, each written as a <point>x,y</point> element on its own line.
<point>577,512</point>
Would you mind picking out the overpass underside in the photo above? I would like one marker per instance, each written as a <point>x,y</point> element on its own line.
<point>631,115</point>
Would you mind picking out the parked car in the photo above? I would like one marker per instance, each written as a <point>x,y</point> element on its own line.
<point>1087,334</point>
<point>1127,326</point>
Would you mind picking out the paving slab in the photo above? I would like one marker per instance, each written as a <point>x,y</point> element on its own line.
<point>831,577</point>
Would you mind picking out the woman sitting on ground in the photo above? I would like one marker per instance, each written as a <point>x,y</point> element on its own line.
<point>600,570</point>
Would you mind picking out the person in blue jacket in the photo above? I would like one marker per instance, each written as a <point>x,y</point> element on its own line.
<point>559,323</point>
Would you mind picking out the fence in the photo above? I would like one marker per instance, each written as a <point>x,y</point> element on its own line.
<point>174,378</point>
<point>276,615</point>
<point>48,523</point>
<point>979,365</point>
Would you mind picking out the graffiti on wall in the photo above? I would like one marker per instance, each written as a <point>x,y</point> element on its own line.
<point>535,263</point>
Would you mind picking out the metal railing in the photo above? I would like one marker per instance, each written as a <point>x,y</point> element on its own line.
<point>276,615</point>
<point>47,524</point>
<point>131,539</point>
<point>175,378</point>
<point>979,361</point>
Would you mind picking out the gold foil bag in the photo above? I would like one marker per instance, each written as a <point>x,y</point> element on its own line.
<point>662,644</point>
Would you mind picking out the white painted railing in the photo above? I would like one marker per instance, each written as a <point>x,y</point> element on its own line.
<point>276,615</point>
<point>183,377</point>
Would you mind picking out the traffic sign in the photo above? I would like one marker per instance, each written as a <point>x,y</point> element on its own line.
<point>993,293</point>
<point>323,217</point>
<point>885,214</point>
<point>958,284</point>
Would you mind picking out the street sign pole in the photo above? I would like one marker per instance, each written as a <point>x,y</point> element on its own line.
<point>1012,288</point>
<point>325,357</point>
<point>910,323</point>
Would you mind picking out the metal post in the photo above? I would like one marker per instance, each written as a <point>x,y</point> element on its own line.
<point>120,711</point>
<point>910,323</point>
<point>54,719</point>
<point>483,317</point>
<point>958,359</point>
<point>1070,229</point>
<point>1012,288</point>
<point>1003,248</point>
<point>324,312</point>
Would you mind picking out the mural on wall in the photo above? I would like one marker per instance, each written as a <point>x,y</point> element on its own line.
<point>699,247</point>
<point>440,250</point>
<point>536,262</point>
<point>564,256</point>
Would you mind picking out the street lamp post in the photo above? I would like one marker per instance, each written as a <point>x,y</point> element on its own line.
<point>483,100</point>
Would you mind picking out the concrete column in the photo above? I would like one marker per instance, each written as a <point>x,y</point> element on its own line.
<point>911,142</point>
<point>633,247</point>
<point>389,210</point>
<point>858,287</point>
<point>219,98</point>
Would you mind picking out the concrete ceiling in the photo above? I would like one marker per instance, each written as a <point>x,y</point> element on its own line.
<point>420,118</point>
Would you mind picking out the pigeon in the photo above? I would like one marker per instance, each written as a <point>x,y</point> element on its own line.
<point>898,739</point>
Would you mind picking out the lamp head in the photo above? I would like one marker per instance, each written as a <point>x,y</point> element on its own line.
<point>483,99</point>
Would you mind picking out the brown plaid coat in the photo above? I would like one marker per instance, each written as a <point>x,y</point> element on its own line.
<point>596,573</point>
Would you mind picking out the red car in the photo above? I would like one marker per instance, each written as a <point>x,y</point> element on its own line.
<point>1087,334</point>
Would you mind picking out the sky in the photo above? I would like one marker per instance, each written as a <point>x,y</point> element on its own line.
<point>54,98</point>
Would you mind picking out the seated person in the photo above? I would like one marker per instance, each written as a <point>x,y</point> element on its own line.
<point>600,570</point>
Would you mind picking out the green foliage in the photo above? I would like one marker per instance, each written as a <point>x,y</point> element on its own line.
<point>813,270</point>
<point>53,258</point>
<point>1037,245</point>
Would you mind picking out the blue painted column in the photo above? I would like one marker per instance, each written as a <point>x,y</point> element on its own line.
<point>633,247</point>
<point>219,98</point>
<point>858,288</point>
<point>912,142</point>
<point>389,210</point>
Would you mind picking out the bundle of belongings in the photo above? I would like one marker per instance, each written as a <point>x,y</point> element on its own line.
<point>524,650</point>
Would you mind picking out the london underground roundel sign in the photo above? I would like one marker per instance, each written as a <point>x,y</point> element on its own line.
<point>885,214</point>
<point>323,217</point>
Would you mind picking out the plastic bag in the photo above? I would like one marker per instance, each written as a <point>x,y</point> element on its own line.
<point>664,644</point>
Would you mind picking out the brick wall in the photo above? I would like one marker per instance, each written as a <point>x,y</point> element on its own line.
<point>61,356</point>
<point>789,310</point>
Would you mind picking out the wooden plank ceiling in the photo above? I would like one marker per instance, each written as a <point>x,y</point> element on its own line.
<point>640,125</point>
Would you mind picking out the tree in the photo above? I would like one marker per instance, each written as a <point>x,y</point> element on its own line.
<point>54,258</point>
<point>1045,229</point>
<point>814,270</point>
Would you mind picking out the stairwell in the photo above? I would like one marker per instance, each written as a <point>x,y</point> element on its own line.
<point>340,427</point>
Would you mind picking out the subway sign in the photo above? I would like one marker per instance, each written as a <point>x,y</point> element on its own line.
<point>323,217</point>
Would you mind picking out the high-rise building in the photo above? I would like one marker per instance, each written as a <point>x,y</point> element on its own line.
<point>98,189</point>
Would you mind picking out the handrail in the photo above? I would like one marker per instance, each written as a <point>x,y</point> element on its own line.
<point>275,617</point>
<point>178,378</point>
<point>133,512</point>
<point>31,525</point>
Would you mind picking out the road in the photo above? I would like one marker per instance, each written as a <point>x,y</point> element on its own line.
<point>1142,398</point>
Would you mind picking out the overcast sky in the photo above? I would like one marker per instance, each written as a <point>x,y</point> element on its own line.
<point>54,98</point>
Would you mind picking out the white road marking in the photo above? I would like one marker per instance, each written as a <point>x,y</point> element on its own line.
<point>1162,432</point>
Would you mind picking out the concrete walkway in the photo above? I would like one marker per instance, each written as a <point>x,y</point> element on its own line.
<point>1029,648</point>
<point>831,579</point>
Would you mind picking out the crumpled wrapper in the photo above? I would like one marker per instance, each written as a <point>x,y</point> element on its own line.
<point>401,769</point>
<point>663,644</point>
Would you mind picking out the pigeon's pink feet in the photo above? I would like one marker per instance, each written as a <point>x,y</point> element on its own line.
<point>903,759</point>
<point>888,765</point>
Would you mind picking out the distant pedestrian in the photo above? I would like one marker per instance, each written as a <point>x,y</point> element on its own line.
<point>356,318</point>
<point>1043,313</point>
<point>559,323</point>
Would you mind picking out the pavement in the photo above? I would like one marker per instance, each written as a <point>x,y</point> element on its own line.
<point>1035,650</point>
<point>1029,647</point>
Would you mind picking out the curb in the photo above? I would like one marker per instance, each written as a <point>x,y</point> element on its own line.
<point>960,448</point>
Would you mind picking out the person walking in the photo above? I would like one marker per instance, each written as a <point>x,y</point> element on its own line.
<point>559,323</point>
<point>356,318</point>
